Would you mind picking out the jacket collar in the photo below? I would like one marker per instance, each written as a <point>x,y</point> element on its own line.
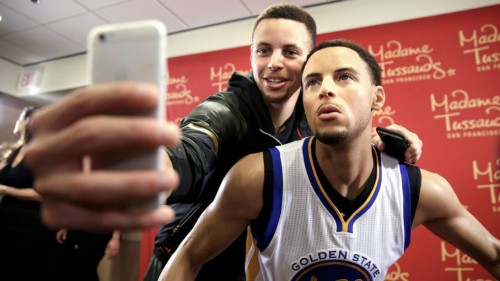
<point>247,87</point>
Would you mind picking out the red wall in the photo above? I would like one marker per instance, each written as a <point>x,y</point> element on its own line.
<point>441,75</point>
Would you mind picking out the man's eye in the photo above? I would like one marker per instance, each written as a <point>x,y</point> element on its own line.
<point>345,77</point>
<point>263,51</point>
<point>312,83</point>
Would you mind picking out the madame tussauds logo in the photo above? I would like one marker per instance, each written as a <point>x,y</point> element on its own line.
<point>488,175</point>
<point>459,264</point>
<point>220,75</point>
<point>385,116</point>
<point>482,45</point>
<point>178,92</point>
<point>459,101</point>
<point>423,68</point>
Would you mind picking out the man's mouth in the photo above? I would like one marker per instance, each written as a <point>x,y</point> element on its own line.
<point>275,82</point>
<point>328,112</point>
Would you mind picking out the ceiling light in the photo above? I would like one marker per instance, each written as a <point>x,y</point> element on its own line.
<point>36,1</point>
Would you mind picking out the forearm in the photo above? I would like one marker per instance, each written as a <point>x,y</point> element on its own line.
<point>20,193</point>
<point>179,269</point>
<point>194,159</point>
<point>485,248</point>
<point>208,239</point>
<point>213,124</point>
<point>486,252</point>
<point>191,254</point>
<point>440,210</point>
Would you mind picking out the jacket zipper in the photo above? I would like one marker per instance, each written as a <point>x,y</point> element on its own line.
<point>187,217</point>
<point>273,137</point>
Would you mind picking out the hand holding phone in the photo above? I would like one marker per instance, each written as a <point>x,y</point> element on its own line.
<point>134,51</point>
<point>395,142</point>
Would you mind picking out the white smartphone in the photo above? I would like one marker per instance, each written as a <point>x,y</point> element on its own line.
<point>132,51</point>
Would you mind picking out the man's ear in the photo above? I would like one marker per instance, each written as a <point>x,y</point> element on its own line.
<point>378,98</point>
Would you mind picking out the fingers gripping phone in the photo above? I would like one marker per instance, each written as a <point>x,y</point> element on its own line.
<point>133,51</point>
<point>395,142</point>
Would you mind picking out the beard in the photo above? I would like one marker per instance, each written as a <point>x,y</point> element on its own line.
<point>332,138</point>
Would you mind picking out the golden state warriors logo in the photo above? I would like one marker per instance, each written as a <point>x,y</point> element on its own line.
<point>333,270</point>
<point>337,265</point>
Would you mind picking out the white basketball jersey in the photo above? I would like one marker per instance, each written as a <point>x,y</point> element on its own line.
<point>307,238</point>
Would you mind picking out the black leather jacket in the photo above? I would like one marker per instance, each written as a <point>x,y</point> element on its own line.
<point>242,124</point>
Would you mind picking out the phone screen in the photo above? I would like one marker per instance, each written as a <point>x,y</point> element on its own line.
<point>134,51</point>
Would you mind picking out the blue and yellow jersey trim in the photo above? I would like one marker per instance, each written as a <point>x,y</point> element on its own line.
<point>342,224</point>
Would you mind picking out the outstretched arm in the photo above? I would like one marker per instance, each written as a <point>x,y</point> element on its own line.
<point>194,159</point>
<point>209,127</point>
<point>237,203</point>
<point>441,212</point>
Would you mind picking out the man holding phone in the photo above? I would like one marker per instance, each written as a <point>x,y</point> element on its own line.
<point>258,111</point>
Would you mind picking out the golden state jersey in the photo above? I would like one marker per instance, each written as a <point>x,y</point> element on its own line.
<point>307,237</point>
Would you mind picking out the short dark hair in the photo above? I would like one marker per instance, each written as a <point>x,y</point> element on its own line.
<point>372,63</point>
<point>290,12</point>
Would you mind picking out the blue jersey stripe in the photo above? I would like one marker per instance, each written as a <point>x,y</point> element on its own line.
<point>277,200</point>
<point>406,203</point>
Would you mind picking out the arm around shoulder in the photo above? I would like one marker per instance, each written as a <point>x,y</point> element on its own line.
<point>440,210</point>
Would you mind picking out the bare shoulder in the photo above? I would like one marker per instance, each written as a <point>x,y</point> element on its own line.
<point>241,190</point>
<point>248,172</point>
<point>434,184</point>
<point>256,159</point>
<point>437,199</point>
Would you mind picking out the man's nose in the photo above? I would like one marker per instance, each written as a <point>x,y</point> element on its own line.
<point>327,88</point>
<point>275,61</point>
